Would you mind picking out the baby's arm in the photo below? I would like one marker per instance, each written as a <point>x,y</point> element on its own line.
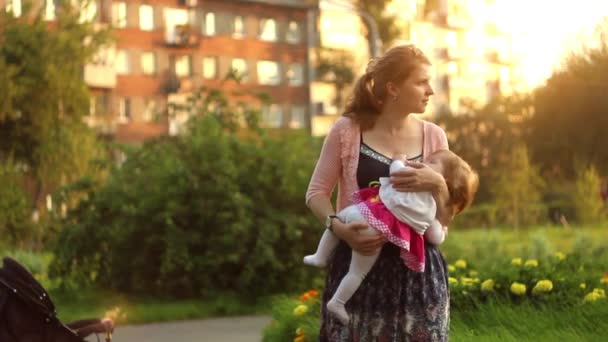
<point>435,234</point>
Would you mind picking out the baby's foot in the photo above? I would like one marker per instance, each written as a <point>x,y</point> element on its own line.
<point>338,311</point>
<point>314,260</point>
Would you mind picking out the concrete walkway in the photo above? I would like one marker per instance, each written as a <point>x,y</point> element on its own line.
<point>231,329</point>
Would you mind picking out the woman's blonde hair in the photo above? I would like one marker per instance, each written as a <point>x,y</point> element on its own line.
<point>369,93</point>
<point>461,179</point>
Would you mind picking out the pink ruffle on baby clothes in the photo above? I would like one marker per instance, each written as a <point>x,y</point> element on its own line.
<point>398,233</point>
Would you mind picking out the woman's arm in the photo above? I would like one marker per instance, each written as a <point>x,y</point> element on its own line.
<point>422,178</point>
<point>318,196</point>
<point>321,207</point>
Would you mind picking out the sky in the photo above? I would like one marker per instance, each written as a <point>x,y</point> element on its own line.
<point>546,30</point>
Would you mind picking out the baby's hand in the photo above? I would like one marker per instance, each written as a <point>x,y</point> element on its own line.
<point>401,157</point>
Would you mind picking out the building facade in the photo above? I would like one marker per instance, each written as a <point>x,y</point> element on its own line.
<point>165,49</point>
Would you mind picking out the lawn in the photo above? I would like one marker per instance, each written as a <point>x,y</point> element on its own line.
<point>505,322</point>
<point>488,253</point>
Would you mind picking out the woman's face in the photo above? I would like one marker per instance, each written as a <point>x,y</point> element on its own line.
<point>414,93</point>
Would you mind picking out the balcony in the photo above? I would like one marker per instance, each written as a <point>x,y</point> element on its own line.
<point>496,57</point>
<point>182,36</point>
<point>188,3</point>
<point>138,132</point>
<point>447,54</point>
<point>452,21</point>
<point>100,75</point>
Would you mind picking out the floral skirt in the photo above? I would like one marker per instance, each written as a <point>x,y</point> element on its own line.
<point>393,303</point>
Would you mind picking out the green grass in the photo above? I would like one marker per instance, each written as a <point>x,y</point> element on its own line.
<point>521,242</point>
<point>508,322</point>
<point>87,304</point>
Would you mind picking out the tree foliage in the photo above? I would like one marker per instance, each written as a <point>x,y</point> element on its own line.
<point>336,67</point>
<point>388,30</point>
<point>570,121</point>
<point>214,209</point>
<point>15,224</point>
<point>588,203</point>
<point>517,189</point>
<point>43,96</point>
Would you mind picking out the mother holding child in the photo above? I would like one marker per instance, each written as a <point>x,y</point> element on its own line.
<point>396,291</point>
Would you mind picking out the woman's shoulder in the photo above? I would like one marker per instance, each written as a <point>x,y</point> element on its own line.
<point>342,125</point>
<point>433,127</point>
<point>344,122</point>
<point>437,138</point>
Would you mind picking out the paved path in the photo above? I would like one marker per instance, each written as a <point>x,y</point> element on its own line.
<point>231,329</point>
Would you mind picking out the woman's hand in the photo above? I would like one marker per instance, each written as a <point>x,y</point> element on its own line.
<point>352,234</point>
<point>420,178</point>
<point>424,178</point>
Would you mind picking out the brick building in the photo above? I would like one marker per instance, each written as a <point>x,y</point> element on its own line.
<point>165,49</point>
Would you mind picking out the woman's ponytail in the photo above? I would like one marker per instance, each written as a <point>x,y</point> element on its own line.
<point>363,105</point>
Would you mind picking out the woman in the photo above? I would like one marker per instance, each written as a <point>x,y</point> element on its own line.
<point>393,303</point>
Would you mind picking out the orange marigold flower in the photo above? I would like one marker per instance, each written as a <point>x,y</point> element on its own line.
<point>305,297</point>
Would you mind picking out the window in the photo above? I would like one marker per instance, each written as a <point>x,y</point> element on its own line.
<point>99,104</point>
<point>50,7</point>
<point>175,21</point>
<point>183,66</point>
<point>119,14</point>
<point>268,73</point>
<point>268,30</point>
<point>209,68</point>
<point>122,64</point>
<point>293,34</point>
<point>148,63</point>
<point>295,74</point>
<point>238,30</point>
<point>209,29</point>
<point>14,6</point>
<point>239,66</point>
<point>273,116</point>
<point>150,110</point>
<point>298,117</point>
<point>88,12</point>
<point>146,17</point>
<point>124,109</point>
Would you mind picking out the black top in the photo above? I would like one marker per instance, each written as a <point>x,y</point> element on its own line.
<point>373,165</point>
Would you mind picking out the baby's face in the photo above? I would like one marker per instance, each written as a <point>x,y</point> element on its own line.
<point>436,163</point>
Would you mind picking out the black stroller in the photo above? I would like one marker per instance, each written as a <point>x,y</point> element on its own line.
<point>27,313</point>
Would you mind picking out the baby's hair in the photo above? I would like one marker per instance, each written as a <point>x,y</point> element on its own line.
<point>461,179</point>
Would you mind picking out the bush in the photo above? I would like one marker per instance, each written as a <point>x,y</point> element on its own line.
<point>483,273</point>
<point>207,211</point>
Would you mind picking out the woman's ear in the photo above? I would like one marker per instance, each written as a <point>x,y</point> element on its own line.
<point>392,90</point>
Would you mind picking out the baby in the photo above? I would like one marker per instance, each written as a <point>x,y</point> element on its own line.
<point>406,219</point>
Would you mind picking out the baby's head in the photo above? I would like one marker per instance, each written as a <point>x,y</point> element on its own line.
<point>461,179</point>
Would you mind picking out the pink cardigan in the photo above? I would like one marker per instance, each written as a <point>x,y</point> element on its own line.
<point>340,157</point>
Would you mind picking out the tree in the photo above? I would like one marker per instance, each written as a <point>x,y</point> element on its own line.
<point>15,223</point>
<point>587,200</point>
<point>485,136</point>
<point>336,67</point>
<point>570,121</point>
<point>43,96</point>
<point>210,211</point>
<point>517,189</point>
<point>387,24</point>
